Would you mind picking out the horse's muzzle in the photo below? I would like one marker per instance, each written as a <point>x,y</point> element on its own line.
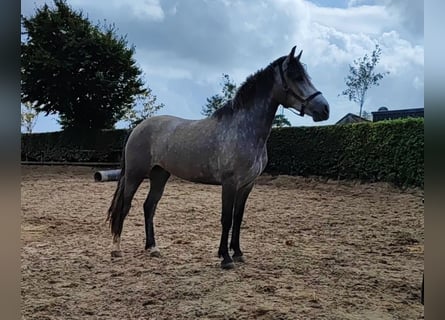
<point>320,109</point>
<point>321,114</point>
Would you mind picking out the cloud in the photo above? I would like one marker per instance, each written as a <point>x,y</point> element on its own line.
<point>400,53</point>
<point>184,46</point>
<point>369,20</point>
<point>410,15</point>
<point>147,9</point>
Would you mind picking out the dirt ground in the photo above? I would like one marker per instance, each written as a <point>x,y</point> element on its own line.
<point>314,249</point>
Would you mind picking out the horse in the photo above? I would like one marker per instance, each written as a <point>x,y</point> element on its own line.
<point>228,149</point>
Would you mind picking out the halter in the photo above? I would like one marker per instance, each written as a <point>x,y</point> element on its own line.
<point>287,89</point>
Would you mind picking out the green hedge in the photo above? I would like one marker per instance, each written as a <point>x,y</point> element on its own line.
<point>389,151</point>
<point>86,146</point>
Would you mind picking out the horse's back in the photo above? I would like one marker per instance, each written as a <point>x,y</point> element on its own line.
<point>180,146</point>
<point>164,122</point>
<point>156,127</point>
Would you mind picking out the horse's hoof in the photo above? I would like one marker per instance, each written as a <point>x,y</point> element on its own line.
<point>154,252</point>
<point>116,253</point>
<point>239,259</point>
<point>227,265</point>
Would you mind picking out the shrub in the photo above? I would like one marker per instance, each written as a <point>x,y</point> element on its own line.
<point>389,151</point>
<point>72,146</point>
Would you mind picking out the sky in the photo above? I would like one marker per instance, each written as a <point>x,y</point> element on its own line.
<point>184,47</point>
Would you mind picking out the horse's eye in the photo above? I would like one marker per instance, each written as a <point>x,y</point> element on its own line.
<point>297,77</point>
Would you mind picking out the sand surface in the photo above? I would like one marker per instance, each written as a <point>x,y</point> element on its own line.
<point>315,250</point>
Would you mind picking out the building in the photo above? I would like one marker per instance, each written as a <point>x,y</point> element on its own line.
<point>351,118</point>
<point>384,114</point>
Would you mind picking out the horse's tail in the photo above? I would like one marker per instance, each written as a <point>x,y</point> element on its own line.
<point>115,212</point>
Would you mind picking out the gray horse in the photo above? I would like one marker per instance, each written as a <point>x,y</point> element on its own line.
<point>227,149</point>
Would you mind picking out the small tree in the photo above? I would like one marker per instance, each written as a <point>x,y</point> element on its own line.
<point>149,108</point>
<point>28,117</point>
<point>362,76</point>
<point>228,90</point>
<point>84,73</point>
<point>366,115</point>
<point>280,121</point>
<point>218,100</point>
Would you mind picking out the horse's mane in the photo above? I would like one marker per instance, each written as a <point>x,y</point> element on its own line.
<point>259,82</point>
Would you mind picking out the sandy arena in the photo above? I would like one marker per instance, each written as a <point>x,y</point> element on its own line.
<point>314,249</point>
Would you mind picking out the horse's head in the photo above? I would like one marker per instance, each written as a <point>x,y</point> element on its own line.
<point>296,90</point>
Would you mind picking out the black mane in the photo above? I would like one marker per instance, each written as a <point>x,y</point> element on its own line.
<point>259,82</point>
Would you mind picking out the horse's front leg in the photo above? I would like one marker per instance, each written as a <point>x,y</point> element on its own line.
<point>240,204</point>
<point>228,199</point>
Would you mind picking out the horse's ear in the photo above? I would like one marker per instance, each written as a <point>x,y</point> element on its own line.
<point>292,52</point>
<point>289,58</point>
<point>299,55</point>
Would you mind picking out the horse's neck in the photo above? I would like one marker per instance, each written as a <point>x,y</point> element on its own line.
<point>259,117</point>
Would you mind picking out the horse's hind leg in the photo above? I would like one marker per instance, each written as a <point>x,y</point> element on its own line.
<point>158,179</point>
<point>120,207</point>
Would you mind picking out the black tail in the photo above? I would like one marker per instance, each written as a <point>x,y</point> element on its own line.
<point>115,212</point>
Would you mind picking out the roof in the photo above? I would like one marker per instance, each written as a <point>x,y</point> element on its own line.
<point>351,118</point>
<point>397,114</point>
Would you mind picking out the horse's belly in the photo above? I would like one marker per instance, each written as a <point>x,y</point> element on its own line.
<point>193,168</point>
<point>204,180</point>
<point>194,176</point>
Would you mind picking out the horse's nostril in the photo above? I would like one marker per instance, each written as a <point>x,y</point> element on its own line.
<point>326,109</point>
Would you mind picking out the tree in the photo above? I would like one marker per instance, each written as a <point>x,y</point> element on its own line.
<point>218,100</point>
<point>228,91</point>
<point>362,76</point>
<point>149,108</point>
<point>280,121</point>
<point>366,115</point>
<point>28,117</point>
<point>84,73</point>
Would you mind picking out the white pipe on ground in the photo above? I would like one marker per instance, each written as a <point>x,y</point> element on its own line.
<point>107,175</point>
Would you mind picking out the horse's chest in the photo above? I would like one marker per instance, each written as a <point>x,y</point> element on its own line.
<point>261,161</point>
<point>252,165</point>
